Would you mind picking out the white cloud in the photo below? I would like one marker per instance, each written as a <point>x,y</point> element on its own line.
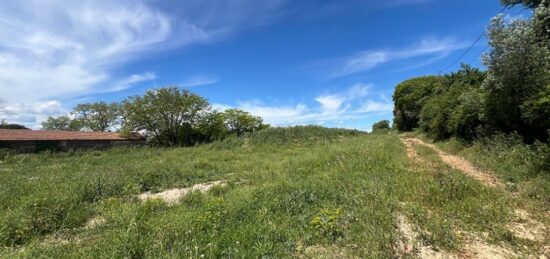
<point>31,115</point>
<point>56,50</point>
<point>366,60</point>
<point>333,102</point>
<point>330,103</point>
<point>199,80</point>
<point>274,113</point>
<point>132,80</point>
<point>375,106</point>
<point>332,109</point>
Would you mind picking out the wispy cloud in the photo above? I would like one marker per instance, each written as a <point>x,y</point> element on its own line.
<point>331,103</point>
<point>353,103</point>
<point>199,80</point>
<point>375,106</point>
<point>129,81</point>
<point>55,50</point>
<point>367,60</point>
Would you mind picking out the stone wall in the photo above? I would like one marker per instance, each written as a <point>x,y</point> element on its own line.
<point>64,145</point>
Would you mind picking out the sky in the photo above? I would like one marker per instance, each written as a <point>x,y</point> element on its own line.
<point>330,63</point>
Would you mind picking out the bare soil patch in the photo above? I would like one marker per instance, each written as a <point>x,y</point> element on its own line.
<point>95,222</point>
<point>524,226</point>
<point>411,245</point>
<point>474,247</point>
<point>173,196</point>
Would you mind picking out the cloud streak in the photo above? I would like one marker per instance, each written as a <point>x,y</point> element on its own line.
<point>199,80</point>
<point>366,60</point>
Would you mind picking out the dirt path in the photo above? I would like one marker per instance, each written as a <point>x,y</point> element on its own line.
<point>455,162</point>
<point>523,226</point>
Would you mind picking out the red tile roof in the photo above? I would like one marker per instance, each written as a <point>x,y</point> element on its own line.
<point>22,135</point>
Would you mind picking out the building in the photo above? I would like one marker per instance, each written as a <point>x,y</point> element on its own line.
<point>23,140</point>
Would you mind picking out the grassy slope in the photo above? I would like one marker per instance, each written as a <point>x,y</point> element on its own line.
<point>341,192</point>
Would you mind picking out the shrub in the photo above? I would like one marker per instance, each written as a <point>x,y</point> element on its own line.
<point>383,125</point>
<point>329,224</point>
<point>409,97</point>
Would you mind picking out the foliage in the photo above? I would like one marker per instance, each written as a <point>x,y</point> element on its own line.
<point>329,223</point>
<point>240,122</point>
<point>169,115</point>
<point>409,97</point>
<point>98,116</point>
<point>5,125</point>
<point>518,76</point>
<point>213,127</point>
<point>511,96</point>
<point>541,23</point>
<point>467,117</point>
<point>62,123</point>
<point>451,105</point>
<point>381,125</point>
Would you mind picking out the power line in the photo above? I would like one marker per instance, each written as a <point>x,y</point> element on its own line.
<point>469,48</point>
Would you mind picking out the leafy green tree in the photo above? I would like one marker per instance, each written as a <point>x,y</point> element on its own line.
<point>438,110</point>
<point>240,122</point>
<point>169,115</point>
<point>409,97</point>
<point>541,23</point>
<point>99,116</point>
<point>518,76</point>
<point>381,126</point>
<point>212,127</point>
<point>468,118</point>
<point>62,123</point>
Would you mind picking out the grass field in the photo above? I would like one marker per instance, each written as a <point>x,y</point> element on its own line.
<point>299,192</point>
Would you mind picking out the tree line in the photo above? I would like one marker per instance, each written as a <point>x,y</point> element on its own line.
<point>167,116</point>
<point>512,95</point>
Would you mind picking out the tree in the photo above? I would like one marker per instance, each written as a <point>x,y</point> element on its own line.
<point>409,97</point>
<point>527,3</point>
<point>381,126</point>
<point>468,117</point>
<point>99,116</point>
<point>62,123</point>
<point>240,122</point>
<point>438,111</point>
<point>518,75</point>
<point>541,23</point>
<point>168,115</point>
<point>212,127</point>
<point>5,125</point>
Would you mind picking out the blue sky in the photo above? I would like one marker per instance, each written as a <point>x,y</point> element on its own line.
<point>332,63</point>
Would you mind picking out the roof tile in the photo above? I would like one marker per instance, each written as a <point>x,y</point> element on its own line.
<point>22,135</point>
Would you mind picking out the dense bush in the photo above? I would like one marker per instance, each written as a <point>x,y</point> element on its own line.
<point>383,125</point>
<point>409,97</point>
<point>517,79</point>
<point>454,107</point>
<point>513,95</point>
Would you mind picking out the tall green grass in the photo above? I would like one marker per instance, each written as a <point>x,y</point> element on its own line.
<point>314,187</point>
